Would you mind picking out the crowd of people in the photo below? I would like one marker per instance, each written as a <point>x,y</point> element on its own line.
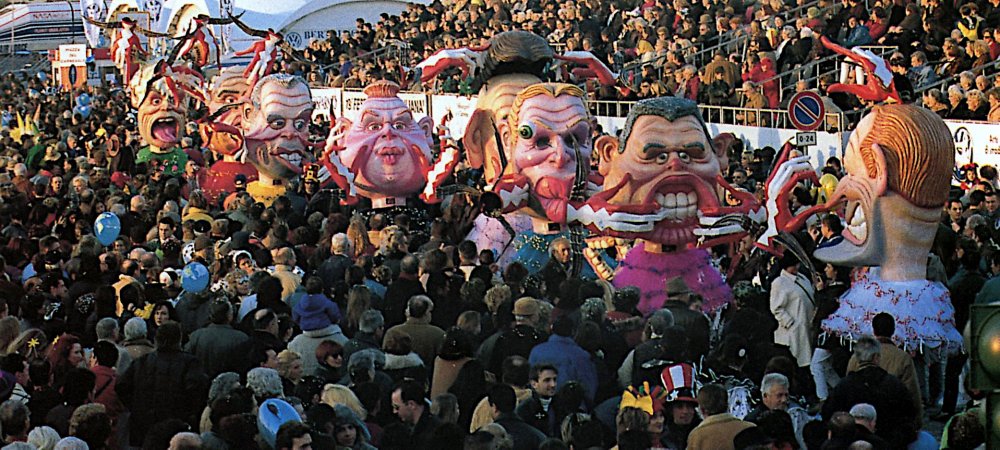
<point>750,54</point>
<point>387,329</point>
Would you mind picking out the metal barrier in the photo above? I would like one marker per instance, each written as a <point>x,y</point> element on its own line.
<point>731,115</point>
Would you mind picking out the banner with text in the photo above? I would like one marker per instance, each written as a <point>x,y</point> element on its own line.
<point>327,103</point>
<point>975,142</point>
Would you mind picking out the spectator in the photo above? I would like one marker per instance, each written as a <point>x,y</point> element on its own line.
<point>719,427</point>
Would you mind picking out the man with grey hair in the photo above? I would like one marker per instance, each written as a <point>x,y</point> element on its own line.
<point>371,328</point>
<point>185,441</point>
<point>865,415</point>
<point>136,343</point>
<point>332,270</point>
<point>774,395</point>
<point>107,330</point>
<point>873,385</point>
<point>427,338</point>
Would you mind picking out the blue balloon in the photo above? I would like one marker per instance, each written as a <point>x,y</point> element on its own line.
<point>107,227</point>
<point>195,277</point>
<point>271,415</point>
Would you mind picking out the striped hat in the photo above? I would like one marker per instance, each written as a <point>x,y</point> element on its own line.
<point>679,383</point>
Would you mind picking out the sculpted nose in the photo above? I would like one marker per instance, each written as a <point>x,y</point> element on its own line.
<point>561,153</point>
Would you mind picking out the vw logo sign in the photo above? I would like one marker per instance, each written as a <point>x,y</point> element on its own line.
<point>294,39</point>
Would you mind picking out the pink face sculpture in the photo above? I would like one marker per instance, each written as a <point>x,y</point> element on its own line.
<point>276,126</point>
<point>387,150</point>
<point>548,129</point>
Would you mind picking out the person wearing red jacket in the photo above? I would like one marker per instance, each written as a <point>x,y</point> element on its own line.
<point>764,74</point>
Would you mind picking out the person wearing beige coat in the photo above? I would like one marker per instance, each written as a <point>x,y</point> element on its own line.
<point>719,428</point>
<point>792,306</point>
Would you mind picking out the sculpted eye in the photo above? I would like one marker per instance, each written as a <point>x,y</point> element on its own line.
<point>374,126</point>
<point>277,124</point>
<point>525,132</point>
<point>662,158</point>
<point>300,124</point>
<point>684,156</point>
<point>399,126</point>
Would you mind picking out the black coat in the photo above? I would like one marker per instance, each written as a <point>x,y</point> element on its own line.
<point>162,385</point>
<point>893,403</point>
<point>695,326</point>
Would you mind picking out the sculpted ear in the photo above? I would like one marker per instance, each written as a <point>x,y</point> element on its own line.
<point>881,175</point>
<point>722,143</point>
<point>427,125</point>
<point>607,149</point>
<point>505,133</point>
<point>247,111</point>
<point>477,134</point>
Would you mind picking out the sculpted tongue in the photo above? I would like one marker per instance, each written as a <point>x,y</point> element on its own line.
<point>165,132</point>
<point>553,194</point>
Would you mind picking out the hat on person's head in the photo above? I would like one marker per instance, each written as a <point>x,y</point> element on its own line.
<point>788,260</point>
<point>119,179</point>
<point>705,19</point>
<point>240,181</point>
<point>863,411</point>
<point>526,306</point>
<point>594,309</point>
<point>202,242</point>
<point>240,241</point>
<point>202,226</point>
<point>679,382</point>
<point>677,286</point>
<point>220,227</point>
<point>52,154</point>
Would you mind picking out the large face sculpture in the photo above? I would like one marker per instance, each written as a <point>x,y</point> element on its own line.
<point>387,149</point>
<point>513,62</point>
<point>222,134</point>
<point>664,169</point>
<point>276,126</point>
<point>493,107</point>
<point>898,162</point>
<point>549,137</point>
<point>161,110</point>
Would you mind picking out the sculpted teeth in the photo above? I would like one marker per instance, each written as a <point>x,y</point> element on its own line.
<point>679,205</point>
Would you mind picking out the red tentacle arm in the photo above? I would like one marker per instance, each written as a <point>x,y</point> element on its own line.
<point>789,172</point>
<point>465,58</point>
<point>594,66</point>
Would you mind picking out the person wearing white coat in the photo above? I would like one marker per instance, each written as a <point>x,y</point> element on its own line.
<point>792,305</point>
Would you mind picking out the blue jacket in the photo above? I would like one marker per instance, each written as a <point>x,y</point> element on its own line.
<point>572,362</point>
<point>315,311</point>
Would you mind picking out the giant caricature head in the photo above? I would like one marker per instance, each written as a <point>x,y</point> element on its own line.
<point>664,165</point>
<point>514,61</point>
<point>898,162</point>
<point>548,134</point>
<point>387,149</point>
<point>161,107</point>
<point>227,91</point>
<point>276,126</point>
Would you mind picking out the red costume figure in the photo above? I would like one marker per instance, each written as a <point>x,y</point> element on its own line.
<point>196,40</point>
<point>125,45</point>
<point>879,86</point>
